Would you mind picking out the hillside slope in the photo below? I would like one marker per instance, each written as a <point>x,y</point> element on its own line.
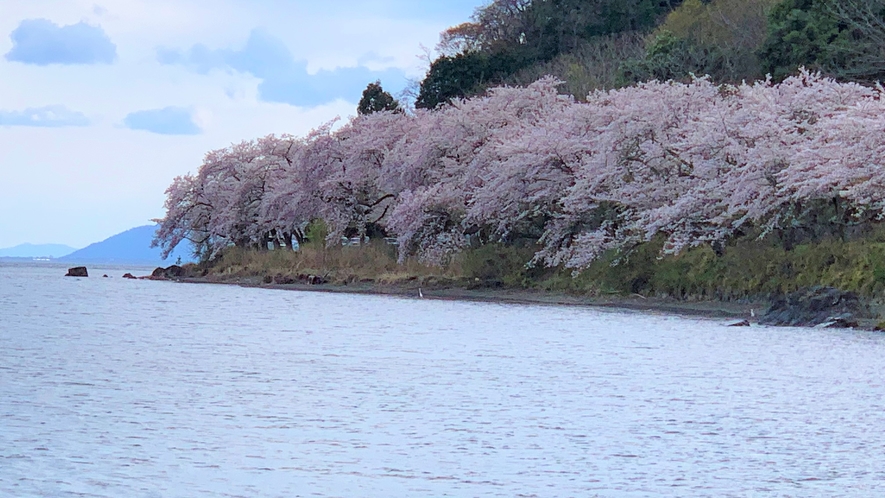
<point>131,246</point>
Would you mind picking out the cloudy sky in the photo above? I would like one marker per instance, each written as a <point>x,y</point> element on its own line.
<point>104,102</point>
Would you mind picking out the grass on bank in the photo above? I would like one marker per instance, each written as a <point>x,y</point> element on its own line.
<point>748,269</point>
<point>375,262</point>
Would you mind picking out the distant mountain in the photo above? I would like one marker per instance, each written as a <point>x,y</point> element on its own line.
<point>36,251</point>
<point>131,246</point>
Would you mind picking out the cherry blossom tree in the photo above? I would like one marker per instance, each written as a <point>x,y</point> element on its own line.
<point>693,163</point>
<point>355,200</point>
<point>187,217</point>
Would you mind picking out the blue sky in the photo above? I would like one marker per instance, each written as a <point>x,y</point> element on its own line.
<point>103,103</point>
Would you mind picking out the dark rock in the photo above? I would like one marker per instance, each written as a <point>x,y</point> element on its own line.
<point>130,276</point>
<point>268,279</point>
<point>104,276</point>
<point>845,321</point>
<point>315,280</point>
<point>174,271</point>
<point>816,306</point>
<point>742,323</point>
<point>281,279</point>
<point>171,273</point>
<point>77,271</point>
<point>839,324</point>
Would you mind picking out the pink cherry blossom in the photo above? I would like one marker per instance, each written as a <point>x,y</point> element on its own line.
<point>695,163</point>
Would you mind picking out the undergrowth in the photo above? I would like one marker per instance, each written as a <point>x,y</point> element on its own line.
<point>746,269</point>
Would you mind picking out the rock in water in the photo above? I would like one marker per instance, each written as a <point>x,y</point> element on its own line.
<point>816,306</point>
<point>77,271</point>
<point>171,273</point>
<point>174,271</point>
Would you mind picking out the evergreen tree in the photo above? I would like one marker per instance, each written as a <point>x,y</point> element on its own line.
<point>843,39</point>
<point>508,36</point>
<point>375,99</point>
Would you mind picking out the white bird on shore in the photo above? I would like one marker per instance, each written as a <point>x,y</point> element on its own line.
<point>420,294</point>
<point>752,313</point>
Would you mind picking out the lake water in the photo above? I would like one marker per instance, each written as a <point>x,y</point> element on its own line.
<point>117,388</point>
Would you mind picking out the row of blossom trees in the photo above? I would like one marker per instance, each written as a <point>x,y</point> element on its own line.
<point>694,163</point>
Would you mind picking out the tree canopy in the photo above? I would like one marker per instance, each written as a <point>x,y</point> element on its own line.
<point>842,38</point>
<point>592,44</point>
<point>375,99</point>
<point>507,36</point>
<point>690,163</point>
<point>668,153</point>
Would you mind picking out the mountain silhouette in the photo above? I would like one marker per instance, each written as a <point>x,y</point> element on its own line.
<point>131,246</point>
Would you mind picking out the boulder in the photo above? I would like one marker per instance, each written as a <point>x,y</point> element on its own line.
<point>742,323</point>
<point>130,276</point>
<point>169,273</point>
<point>77,271</point>
<point>816,306</point>
<point>174,271</point>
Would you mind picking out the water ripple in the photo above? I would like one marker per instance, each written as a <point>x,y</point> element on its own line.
<point>111,387</point>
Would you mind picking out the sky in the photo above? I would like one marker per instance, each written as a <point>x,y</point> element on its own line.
<point>103,103</point>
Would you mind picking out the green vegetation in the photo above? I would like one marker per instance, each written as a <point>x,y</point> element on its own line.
<point>465,74</point>
<point>604,44</point>
<point>375,99</point>
<point>840,39</point>
<point>509,39</point>
<point>748,269</point>
<point>720,39</point>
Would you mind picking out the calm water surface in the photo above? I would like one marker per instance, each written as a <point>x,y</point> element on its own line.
<point>116,388</point>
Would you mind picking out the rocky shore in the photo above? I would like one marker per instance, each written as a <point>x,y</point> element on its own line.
<point>429,289</point>
<point>816,306</point>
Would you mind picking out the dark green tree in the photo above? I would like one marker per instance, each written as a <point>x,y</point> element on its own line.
<point>375,99</point>
<point>558,26</point>
<point>508,36</point>
<point>464,75</point>
<point>836,37</point>
<point>720,39</point>
<point>668,57</point>
<point>451,77</point>
<point>801,33</point>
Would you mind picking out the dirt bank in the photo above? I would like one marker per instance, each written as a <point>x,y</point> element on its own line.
<point>711,309</point>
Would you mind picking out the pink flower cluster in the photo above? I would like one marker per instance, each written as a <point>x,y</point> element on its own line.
<point>695,163</point>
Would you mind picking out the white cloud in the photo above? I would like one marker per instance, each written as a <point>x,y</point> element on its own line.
<point>51,116</point>
<point>77,185</point>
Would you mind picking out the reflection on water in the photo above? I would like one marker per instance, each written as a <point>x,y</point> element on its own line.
<point>113,388</point>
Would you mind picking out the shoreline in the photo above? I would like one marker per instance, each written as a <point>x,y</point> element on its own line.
<point>735,311</point>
